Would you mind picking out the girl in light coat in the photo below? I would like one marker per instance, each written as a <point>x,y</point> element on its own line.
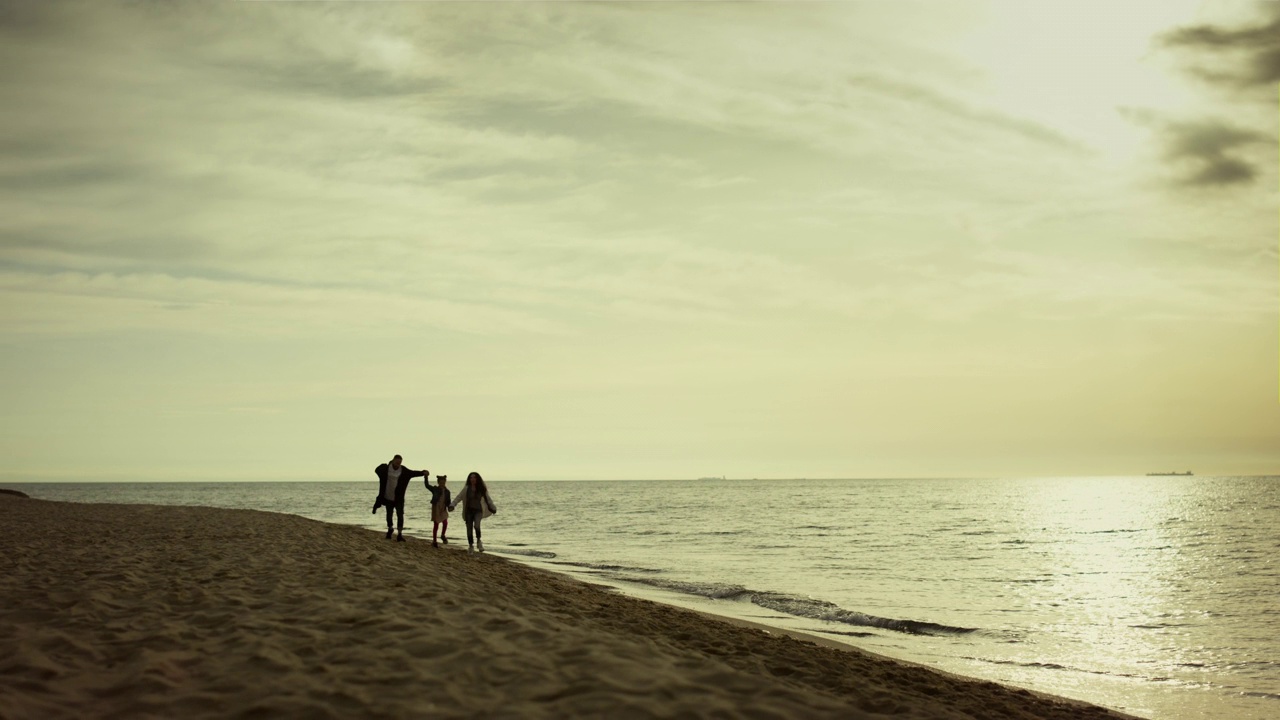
<point>476,506</point>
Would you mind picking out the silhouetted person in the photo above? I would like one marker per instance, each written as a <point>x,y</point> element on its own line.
<point>393,480</point>
<point>476,506</point>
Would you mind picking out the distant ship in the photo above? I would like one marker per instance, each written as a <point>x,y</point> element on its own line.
<point>1170,474</point>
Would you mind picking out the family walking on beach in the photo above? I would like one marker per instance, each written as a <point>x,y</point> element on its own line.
<point>393,482</point>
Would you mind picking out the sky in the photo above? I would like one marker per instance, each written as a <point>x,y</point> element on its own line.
<point>284,241</point>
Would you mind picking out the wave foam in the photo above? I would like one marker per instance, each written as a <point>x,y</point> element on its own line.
<point>797,606</point>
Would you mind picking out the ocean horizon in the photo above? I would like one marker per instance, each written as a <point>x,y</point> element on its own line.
<point>28,479</point>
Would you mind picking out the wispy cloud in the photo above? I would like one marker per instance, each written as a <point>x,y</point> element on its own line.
<point>79,302</point>
<point>1246,56</point>
<point>504,210</point>
<point>579,164</point>
<point>939,102</point>
<point>287,154</point>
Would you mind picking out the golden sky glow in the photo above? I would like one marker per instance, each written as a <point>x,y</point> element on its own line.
<point>286,240</point>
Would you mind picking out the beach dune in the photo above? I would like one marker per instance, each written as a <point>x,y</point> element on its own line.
<point>139,610</point>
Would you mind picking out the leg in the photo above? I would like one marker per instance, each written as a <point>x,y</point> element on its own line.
<point>400,520</point>
<point>389,511</point>
<point>435,530</point>
<point>444,528</point>
<point>466,518</point>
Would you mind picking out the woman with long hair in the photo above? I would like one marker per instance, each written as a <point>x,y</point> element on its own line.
<point>476,506</point>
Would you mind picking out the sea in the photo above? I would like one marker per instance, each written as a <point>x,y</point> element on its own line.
<point>1156,596</point>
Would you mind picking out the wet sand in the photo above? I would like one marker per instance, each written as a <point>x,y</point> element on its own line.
<point>156,611</point>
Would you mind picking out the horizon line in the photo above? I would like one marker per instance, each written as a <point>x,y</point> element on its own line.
<point>120,481</point>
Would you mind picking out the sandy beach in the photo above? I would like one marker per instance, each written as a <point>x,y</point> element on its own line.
<point>156,611</point>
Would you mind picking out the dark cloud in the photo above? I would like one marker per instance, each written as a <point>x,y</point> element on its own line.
<point>1252,52</point>
<point>1238,59</point>
<point>277,51</point>
<point>1206,146</point>
<point>1205,153</point>
<point>1222,170</point>
<point>19,19</point>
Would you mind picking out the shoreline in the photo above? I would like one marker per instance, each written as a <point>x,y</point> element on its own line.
<point>148,609</point>
<point>626,590</point>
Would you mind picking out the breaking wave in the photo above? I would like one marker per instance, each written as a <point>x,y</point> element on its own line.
<point>606,567</point>
<point>798,606</point>
<point>526,552</point>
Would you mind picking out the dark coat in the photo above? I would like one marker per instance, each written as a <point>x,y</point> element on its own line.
<point>402,484</point>
<point>436,490</point>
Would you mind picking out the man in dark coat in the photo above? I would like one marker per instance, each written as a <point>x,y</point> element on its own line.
<point>393,480</point>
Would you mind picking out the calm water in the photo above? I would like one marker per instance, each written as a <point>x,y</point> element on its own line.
<point>1158,596</point>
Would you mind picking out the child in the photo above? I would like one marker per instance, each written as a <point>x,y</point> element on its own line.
<point>440,497</point>
<point>476,505</point>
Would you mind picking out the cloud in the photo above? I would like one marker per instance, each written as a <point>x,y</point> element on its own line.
<point>947,106</point>
<point>1206,148</point>
<point>246,162</point>
<point>44,303</point>
<point>1244,58</point>
<point>1249,54</point>
<point>1204,153</point>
